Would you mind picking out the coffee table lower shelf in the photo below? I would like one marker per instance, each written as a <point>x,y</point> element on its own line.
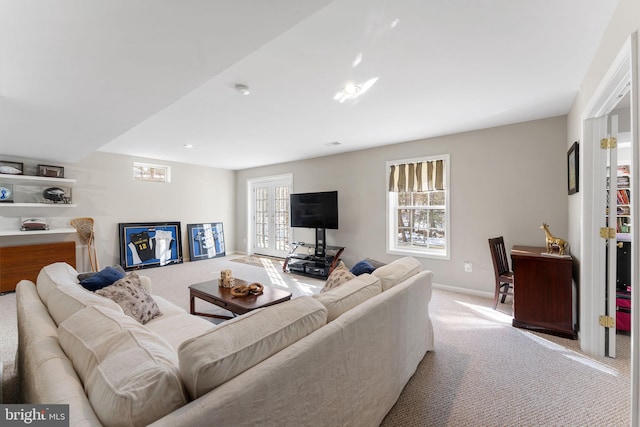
<point>221,297</point>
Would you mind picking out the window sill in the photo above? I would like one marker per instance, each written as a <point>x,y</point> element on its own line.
<point>419,254</point>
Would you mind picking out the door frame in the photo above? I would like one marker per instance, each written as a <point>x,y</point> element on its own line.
<point>623,72</point>
<point>251,182</point>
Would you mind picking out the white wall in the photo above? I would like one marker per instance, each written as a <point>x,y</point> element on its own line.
<point>504,181</point>
<point>105,190</point>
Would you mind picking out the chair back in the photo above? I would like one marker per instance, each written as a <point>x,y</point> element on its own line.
<point>499,256</point>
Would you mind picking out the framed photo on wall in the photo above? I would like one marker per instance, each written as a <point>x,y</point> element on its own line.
<point>149,244</point>
<point>573,168</point>
<point>205,241</point>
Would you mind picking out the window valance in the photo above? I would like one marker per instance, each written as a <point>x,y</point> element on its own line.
<point>417,176</point>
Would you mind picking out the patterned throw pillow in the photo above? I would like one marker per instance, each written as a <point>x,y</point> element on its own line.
<point>134,299</point>
<point>338,276</point>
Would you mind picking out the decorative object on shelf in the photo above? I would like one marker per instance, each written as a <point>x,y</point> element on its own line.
<point>244,290</point>
<point>11,168</point>
<point>205,241</point>
<point>34,224</point>
<point>51,171</point>
<point>84,228</point>
<point>573,168</point>
<point>226,279</point>
<point>55,195</point>
<point>150,244</point>
<point>553,242</point>
<point>6,193</point>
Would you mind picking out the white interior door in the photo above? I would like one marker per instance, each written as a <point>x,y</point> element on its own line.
<point>269,210</point>
<point>610,244</point>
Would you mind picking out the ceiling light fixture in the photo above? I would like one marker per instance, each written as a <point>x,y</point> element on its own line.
<point>351,90</point>
<point>242,89</point>
<point>187,146</point>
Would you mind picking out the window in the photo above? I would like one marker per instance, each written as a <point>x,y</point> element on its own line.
<point>153,173</point>
<point>418,207</point>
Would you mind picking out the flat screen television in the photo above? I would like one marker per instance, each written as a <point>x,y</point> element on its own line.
<point>314,210</point>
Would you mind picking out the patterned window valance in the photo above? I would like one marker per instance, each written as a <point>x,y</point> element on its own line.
<point>417,176</point>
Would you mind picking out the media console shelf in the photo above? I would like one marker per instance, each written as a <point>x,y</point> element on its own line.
<point>310,264</point>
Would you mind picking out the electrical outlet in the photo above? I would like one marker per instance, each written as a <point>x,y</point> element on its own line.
<point>468,267</point>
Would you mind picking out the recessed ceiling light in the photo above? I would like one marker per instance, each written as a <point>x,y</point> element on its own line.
<point>333,143</point>
<point>242,89</point>
<point>352,90</point>
<point>188,146</point>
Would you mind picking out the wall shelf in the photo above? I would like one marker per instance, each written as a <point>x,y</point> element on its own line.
<point>39,205</point>
<point>35,232</point>
<point>29,179</point>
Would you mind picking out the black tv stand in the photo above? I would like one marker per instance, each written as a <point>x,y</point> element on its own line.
<point>318,266</point>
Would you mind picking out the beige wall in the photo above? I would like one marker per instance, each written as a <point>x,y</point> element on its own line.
<point>105,190</point>
<point>504,181</point>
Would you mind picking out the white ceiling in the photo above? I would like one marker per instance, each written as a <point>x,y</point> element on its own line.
<point>146,77</point>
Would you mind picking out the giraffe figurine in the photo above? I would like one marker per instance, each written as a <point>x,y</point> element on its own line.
<point>553,241</point>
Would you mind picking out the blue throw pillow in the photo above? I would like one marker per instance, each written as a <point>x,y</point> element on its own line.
<point>362,267</point>
<point>107,276</point>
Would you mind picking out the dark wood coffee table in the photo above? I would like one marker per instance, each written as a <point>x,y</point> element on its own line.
<point>214,294</point>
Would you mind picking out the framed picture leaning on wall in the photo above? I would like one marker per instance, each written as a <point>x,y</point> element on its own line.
<point>149,244</point>
<point>205,241</point>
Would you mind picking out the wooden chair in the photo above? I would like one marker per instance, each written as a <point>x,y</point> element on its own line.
<point>504,276</point>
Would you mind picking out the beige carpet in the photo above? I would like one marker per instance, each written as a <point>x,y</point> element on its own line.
<point>260,261</point>
<point>483,371</point>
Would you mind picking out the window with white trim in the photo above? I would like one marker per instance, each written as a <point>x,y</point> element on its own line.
<point>152,173</point>
<point>418,207</point>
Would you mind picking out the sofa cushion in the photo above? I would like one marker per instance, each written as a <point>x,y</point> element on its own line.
<point>397,271</point>
<point>130,374</point>
<point>59,290</point>
<point>102,278</point>
<point>238,344</point>
<point>349,295</point>
<point>132,297</point>
<point>338,276</point>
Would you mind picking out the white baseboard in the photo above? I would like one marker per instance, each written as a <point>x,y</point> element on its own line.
<point>482,294</point>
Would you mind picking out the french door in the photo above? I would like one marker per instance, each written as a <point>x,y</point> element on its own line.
<point>269,213</point>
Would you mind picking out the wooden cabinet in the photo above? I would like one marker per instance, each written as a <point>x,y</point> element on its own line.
<point>25,262</point>
<point>543,297</point>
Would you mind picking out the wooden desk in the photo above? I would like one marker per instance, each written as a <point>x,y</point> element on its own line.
<point>543,291</point>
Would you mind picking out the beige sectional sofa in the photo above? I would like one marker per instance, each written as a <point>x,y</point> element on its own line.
<point>339,358</point>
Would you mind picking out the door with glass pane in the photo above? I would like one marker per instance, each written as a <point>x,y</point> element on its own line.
<point>270,216</point>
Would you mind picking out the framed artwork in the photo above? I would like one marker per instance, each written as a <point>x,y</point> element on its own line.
<point>11,168</point>
<point>6,193</point>
<point>205,241</point>
<point>573,168</point>
<point>149,244</point>
<point>51,171</point>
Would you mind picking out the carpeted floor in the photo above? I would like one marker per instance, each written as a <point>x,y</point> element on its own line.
<point>260,261</point>
<point>483,371</point>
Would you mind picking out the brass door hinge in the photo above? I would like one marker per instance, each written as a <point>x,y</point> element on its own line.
<point>606,143</point>
<point>607,321</point>
<point>608,233</point>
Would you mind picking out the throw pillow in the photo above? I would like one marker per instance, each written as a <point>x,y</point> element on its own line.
<point>362,267</point>
<point>83,276</point>
<point>338,276</point>
<point>134,299</point>
<point>105,277</point>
